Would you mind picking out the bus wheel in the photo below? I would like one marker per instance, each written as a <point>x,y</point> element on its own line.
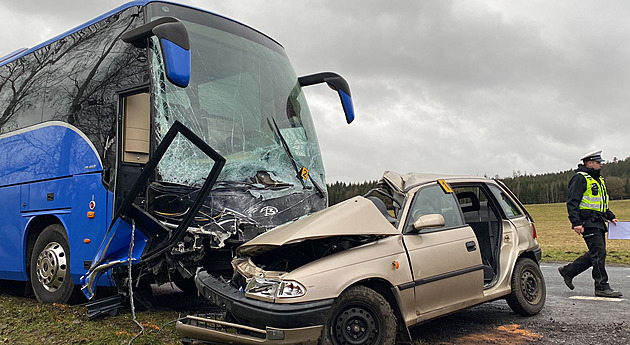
<point>50,266</point>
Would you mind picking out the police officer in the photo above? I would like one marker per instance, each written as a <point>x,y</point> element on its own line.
<point>588,212</point>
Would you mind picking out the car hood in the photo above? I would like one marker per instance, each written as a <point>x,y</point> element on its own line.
<point>354,217</point>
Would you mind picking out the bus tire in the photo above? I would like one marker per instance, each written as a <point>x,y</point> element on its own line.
<point>50,266</point>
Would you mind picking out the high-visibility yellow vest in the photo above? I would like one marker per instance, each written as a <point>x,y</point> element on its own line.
<point>595,196</point>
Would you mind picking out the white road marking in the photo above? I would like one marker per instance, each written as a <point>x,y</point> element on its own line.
<point>591,298</point>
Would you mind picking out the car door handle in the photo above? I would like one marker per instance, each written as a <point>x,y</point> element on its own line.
<point>471,246</point>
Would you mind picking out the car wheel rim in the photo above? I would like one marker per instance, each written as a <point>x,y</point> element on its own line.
<point>356,325</point>
<point>530,287</point>
<point>51,267</point>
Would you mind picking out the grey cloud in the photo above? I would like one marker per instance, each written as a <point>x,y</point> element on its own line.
<point>473,87</point>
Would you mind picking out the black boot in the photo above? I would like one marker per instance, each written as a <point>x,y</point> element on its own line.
<point>567,280</point>
<point>608,293</point>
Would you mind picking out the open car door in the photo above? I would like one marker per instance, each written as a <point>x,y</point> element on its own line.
<point>135,236</point>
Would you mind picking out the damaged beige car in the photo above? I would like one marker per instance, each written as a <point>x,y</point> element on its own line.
<point>361,272</point>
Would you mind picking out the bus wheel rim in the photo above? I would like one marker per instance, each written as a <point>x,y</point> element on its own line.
<point>51,267</point>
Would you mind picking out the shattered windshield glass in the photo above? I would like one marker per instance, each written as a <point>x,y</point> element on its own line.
<point>244,101</point>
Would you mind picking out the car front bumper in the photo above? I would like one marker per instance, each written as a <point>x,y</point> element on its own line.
<point>217,331</point>
<point>267,323</point>
<point>261,313</point>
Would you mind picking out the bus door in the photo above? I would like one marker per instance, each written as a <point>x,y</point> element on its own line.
<point>134,133</point>
<point>135,235</point>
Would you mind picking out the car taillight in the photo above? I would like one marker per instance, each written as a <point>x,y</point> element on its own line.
<point>534,228</point>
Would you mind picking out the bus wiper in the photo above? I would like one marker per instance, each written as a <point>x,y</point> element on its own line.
<point>250,185</point>
<point>296,167</point>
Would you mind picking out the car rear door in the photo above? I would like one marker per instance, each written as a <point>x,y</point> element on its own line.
<point>517,225</point>
<point>446,263</point>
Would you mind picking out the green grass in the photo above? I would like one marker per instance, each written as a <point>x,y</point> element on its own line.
<point>26,321</point>
<point>560,243</point>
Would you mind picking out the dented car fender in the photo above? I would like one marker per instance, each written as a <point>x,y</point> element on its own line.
<point>384,259</point>
<point>515,244</point>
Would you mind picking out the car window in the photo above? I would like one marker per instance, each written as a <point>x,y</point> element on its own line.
<point>433,200</point>
<point>509,207</point>
<point>475,205</point>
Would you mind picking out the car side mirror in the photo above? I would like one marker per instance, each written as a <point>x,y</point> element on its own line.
<point>174,45</point>
<point>337,83</point>
<point>429,221</point>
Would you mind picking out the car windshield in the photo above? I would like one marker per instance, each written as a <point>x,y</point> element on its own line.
<point>243,99</point>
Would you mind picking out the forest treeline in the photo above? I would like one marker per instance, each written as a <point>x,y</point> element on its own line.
<point>530,189</point>
<point>340,191</point>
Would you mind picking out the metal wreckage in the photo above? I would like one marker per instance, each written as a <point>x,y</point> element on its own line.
<point>198,197</point>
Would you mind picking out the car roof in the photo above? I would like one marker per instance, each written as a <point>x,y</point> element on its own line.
<point>404,182</point>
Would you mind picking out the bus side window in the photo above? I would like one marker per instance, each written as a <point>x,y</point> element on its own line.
<point>137,128</point>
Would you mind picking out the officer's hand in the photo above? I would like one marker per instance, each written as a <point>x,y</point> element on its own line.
<point>579,229</point>
<point>615,221</point>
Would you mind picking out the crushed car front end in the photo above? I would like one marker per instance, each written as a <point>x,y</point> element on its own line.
<point>286,281</point>
<point>292,323</point>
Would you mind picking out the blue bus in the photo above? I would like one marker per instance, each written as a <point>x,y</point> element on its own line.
<point>147,143</point>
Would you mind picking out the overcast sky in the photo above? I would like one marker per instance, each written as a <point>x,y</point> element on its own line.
<point>458,87</point>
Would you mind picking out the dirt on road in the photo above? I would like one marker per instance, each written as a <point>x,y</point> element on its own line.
<point>495,323</point>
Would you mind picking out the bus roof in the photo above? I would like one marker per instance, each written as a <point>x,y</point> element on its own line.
<point>141,3</point>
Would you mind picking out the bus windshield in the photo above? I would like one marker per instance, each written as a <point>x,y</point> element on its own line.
<point>243,99</point>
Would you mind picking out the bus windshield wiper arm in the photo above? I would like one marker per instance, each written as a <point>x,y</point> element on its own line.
<point>293,161</point>
<point>249,185</point>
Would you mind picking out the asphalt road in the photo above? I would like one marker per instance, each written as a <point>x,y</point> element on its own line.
<point>564,304</point>
<point>569,316</point>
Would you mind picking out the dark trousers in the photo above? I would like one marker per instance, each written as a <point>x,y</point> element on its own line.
<point>596,257</point>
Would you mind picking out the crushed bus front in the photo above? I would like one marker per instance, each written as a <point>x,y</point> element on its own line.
<point>231,149</point>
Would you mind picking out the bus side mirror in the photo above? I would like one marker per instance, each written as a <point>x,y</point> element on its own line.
<point>335,82</point>
<point>174,44</point>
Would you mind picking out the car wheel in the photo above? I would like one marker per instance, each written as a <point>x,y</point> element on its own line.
<point>528,288</point>
<point>360,316</point>
<point>50,266</point>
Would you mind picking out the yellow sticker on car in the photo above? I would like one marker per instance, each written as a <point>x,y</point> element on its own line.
<point>304,173</point>
<point>445,187</point>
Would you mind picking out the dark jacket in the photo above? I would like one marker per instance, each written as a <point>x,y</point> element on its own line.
<point>586,218</point>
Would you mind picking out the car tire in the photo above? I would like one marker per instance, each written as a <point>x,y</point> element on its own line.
<point>360,315</point>
<point>528,288</point>
<point>50,266</point>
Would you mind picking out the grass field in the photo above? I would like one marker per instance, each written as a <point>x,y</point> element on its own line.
<point>560,243</point>
<point>23,320</point>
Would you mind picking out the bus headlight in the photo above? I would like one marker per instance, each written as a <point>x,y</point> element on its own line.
<point>261,288</point>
